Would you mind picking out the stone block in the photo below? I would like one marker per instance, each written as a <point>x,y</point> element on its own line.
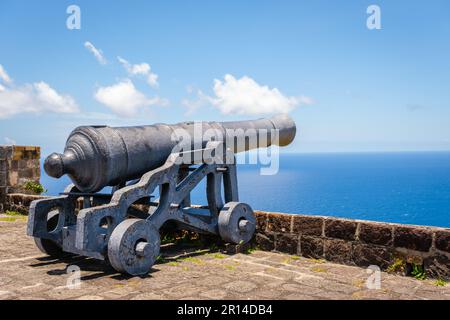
<point>437,266</point>
<point>338,251</point>
<point>340,229</point>
<point>375,233</point>
<point>3,178</point>
<point>13,165</point>
<point>365,255</point>
<point>261,221</point>
<point>311,247</point>
<point>279,222</point>
<point>265,242</point>
<point>306,225</point>
<point>4,165</point>
<point>412,238</point>
<point>13,179</point>
<point>22,164</point>
<point>286,243</point>
<point>26,173</point>
<point>443,240</point>
<point>5,152</point>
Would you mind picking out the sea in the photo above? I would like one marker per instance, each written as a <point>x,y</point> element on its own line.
<point>399,187</point>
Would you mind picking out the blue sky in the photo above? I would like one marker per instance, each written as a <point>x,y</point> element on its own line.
<point>347,87</point>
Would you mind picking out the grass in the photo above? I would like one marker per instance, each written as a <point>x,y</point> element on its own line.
<point>8,219</point>
<point>320,261</point>
<point>440,283</point>
<point>218,255</point>
<point>193,260</point>
<point>13,216</point>
<point>230,267</point>
<point>397,266</point>
<point>160,259</point>
<point>418,272</point>
<point>249,250</point>
<point>14,213</point>
<point>318,269</point>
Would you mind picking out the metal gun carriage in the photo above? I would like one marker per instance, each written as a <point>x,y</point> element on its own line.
<point>137,162</point>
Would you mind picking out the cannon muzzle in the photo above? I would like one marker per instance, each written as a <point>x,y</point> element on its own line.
<point>98,156</point>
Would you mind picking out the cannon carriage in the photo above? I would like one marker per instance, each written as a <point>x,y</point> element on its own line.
<point>136,162</point>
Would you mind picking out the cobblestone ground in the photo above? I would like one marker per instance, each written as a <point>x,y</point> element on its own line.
<point>25,273</point>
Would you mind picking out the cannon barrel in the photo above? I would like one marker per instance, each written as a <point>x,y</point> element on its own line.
<point>98,156</point>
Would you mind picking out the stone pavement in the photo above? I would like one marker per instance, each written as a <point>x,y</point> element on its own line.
<point>25,273</point>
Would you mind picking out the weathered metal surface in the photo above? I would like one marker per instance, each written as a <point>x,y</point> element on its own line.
<point>134,246</point>
<point>236,222</point>
<point>106,227</point>
<point>99,156</point>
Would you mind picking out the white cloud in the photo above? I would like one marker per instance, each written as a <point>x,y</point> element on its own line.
<point>98,54</point>
<point>246,96</point>
<point>195,104</point>
<point>4,75</point>
<point>124,99</point>
<point>142,69</point>
<point>38,97</point>
<point>10,142</point>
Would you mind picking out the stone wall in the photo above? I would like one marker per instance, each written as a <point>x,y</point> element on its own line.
<point>355,242</point>
<point>18,165</point>
<point>344,241</point>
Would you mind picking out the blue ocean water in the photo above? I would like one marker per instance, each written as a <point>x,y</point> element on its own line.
<point>411,188</point>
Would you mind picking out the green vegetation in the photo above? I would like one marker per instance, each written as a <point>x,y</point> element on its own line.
<point>418,272</point>
<point>230,267</point>
<point>8,219</point>
<point>193,260</point>
<point>218,256</point>
<point>34,187</point>
<point>249,250</point>
<point>318,269</point>
<point>13,216</point>
<point>14,213</point>
<point>397,266</point>
<point>168,239</point>
<point>440,283</point>
<point>160,259</point>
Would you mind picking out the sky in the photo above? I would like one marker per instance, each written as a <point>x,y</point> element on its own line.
<point>349,88</point>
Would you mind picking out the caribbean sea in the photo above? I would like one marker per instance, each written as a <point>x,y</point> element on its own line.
<point>410,187</point>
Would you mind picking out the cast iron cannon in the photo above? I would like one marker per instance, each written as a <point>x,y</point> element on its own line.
<point>162,161</point>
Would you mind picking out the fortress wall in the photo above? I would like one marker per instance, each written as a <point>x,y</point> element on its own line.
<point>356,242</point>
<point>345,241</point>
<point>18,165</point>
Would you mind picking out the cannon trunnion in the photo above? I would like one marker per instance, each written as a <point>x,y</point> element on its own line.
<point>107,227</point>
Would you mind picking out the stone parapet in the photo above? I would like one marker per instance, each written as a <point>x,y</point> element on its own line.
<point>18,165</point>
<point>357,242</point>
<point>351,242</point>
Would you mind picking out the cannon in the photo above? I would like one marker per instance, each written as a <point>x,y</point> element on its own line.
<point>157,167</point>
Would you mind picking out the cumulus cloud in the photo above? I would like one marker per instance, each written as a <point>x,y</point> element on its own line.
<point>4,75</point>
<point>245,96</point>
<point>10,142</point>
<point>142,69</point>
<point>124,99</point>
<point>37,97</point>
<point>98,54</point>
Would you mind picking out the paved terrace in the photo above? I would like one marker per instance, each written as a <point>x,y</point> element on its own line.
<point>25,273</point>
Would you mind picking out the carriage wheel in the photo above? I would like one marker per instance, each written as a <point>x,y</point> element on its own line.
<point>134,246</point>
<point>237,223</point>
<point>48,246</point>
